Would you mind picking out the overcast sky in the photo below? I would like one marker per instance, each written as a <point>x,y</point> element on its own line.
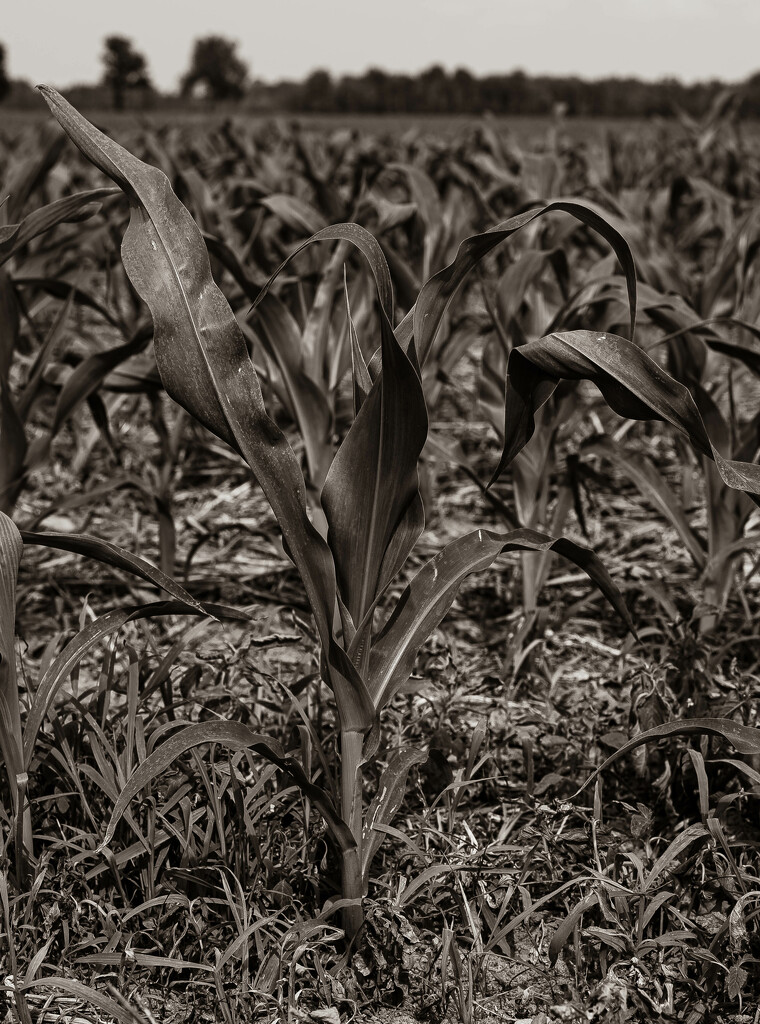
<point>59,42</point>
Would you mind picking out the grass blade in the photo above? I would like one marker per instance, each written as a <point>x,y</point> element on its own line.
<point>234,736</point>
<point>61,668</point>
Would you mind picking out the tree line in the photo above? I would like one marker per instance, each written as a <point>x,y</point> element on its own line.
<point>217,74</point>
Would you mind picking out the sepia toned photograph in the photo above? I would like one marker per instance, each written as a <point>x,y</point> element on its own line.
<point>380,512</point>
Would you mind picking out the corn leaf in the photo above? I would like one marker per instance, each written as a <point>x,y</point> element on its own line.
<point>438,292</point>
<point>13,443</point>
<point>233,736</point>
<point>81,386</point>
<point>296,213</point>
<point>281,340</point>
<point>359,371</point>
<point>632,383</point>
<point>744,738</point>
<point>11,547</point>
<point>70,209</point>
<point>371,494</point>
<point>432,591</point>
<point>112,554</point>
<point>205,366</point>
<point>13,446</point>
<point>62,290</point>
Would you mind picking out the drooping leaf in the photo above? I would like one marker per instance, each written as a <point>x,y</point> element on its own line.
<point>632,383</point>
<point>432,591</point>
<point>89,375</point>
<point>81,386</point>
<point>112,554</point>
<point>234,736</point>
<point>744,738</point>
<point>438,293</point>
<point>48,348</point>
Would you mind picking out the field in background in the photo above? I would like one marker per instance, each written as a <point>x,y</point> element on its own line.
<point>526,130</point>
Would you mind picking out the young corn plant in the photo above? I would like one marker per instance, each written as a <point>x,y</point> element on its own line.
<point>15,408</point>
<point>370,496</point>
<point>696,353</point>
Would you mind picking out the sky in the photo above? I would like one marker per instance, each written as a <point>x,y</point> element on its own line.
<point>60,42</point>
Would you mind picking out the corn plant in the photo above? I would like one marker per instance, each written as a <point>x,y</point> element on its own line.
<point>15,409</point>
<point>697,351</point>
<point>370,496</point>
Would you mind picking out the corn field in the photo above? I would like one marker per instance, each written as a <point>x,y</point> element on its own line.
<point>378,549</point>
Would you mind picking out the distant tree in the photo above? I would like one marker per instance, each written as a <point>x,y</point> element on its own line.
<point>318,92</point>
<point>5,85</point>
<point>125,69</point>
<point>217,68</point>
<point>464,91</point>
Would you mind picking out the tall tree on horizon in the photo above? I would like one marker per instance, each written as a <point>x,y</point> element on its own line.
<point>125,69</point>
<point>5,85</point>
<point>217,67</point>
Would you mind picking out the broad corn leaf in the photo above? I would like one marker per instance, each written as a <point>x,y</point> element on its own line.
<point>371,495</point>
